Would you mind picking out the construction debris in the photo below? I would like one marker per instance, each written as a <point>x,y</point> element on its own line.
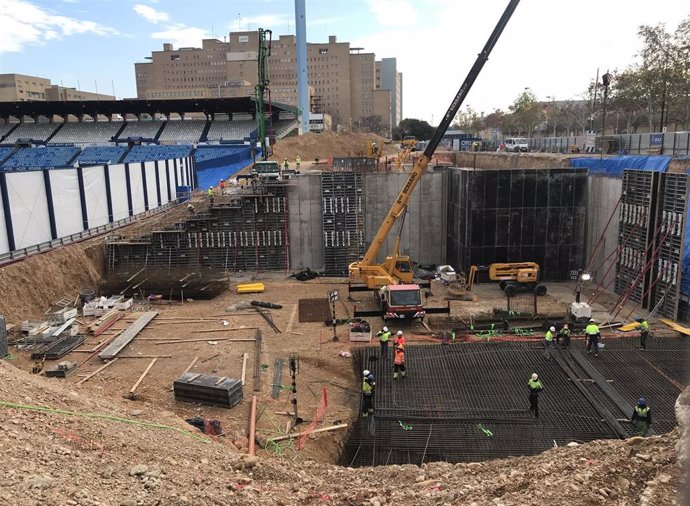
<point>268,305</point>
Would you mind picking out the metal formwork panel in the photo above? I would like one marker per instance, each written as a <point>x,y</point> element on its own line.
<point>671,222</point>
<point>636,231</point>
<point>343,220</point>
<point>250,234</point>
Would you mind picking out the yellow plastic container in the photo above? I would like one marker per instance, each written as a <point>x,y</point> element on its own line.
<point>251,288</point>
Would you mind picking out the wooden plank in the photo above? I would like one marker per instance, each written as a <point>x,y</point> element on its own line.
<point>98,348</point>
<point>245,357</point>
<point>307,432</point>
<point>209,358</point>
<point>628,327</point>
<point>224,329</point>
<point>189,368</point>
<point>675,326</point>
<point>97,331</point>
<point>141,378</point>
<point>145,356</point>
<point>87,378</point>
<point>257,361</point>
<point>205,340</point>
<point>126,337</point>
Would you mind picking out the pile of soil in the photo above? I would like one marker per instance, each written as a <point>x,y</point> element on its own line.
<point>83,449</point>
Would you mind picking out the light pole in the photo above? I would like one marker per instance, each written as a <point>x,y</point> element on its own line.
<point>605,80</point>
<point>551,111</point>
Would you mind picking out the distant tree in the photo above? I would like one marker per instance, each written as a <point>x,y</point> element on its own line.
<point>396,133</point>
<point>419,128</point>
<point>525,113</point>
<point>469,121</point>
<point>495,120</point>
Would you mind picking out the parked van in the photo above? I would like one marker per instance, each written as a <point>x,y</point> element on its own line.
<point>516,144</point>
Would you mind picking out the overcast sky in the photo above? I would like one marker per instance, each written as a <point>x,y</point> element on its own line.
<point>552,47</point>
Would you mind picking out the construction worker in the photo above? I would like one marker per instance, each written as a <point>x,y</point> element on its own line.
<point>548,342</point>
<point>643,325</point>
<point>384,336</point>
<point>210,194</point>
<point>565,334</point>
<point>399,339</point>
<point>298,162</point>
<point>286,165</point>
<point>593,335</point>
<point>222,187</point>
<point>642,417</point>
<point>190,208</point>
<point>367,393</point>
<point>399,363</point>
<point>535,387</point>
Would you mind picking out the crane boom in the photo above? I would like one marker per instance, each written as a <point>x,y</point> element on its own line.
<point>358,268</point>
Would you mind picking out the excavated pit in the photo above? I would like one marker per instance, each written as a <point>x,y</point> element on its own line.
<point>469,401</point>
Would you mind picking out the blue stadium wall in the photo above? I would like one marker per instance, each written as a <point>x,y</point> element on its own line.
<point>39,207</point>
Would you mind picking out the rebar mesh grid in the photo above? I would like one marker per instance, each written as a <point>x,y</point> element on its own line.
<point>469,401</point>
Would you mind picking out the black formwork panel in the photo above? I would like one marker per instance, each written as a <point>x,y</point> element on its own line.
<point>251,235</point>
<point>636,234</point>
<point>210,390</point>
<point>343,220</point>
<point>671,222</point>
<point>517,216</point>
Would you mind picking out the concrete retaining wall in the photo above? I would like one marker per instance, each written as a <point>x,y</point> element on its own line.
<point>305,222</point>
<point>424,231</point>
<point>604,194</point>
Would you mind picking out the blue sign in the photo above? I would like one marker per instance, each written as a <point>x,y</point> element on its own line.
<point>656,140</point>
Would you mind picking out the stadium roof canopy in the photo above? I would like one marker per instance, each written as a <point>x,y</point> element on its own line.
<point>122,107</point>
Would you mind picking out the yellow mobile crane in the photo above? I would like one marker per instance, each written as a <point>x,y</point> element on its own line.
<point>397,298</point>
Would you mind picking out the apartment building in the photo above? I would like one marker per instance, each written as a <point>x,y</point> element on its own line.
<point>388,78</point>
<point>22,88</point>
<point>341,79</point>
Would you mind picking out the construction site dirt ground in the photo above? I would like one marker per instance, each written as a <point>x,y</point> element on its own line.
<point>213,324</point>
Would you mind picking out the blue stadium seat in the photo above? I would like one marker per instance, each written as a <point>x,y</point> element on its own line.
<point>156,152</point>
<point>97,155</point>
<point>41,157</point>
<point>209,152</point>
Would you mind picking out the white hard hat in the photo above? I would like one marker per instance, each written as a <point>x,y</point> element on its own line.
<point>385,329</point>
<point>552,329</point>
<point>366,373</point>
<point>565,325</point>
<point>399,333</point>
<point>535,377</point>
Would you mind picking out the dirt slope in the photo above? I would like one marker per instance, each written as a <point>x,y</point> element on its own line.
<point>51,457</point>
<point>326,144</point>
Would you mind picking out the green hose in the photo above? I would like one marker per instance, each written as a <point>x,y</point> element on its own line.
<point>149,425</point>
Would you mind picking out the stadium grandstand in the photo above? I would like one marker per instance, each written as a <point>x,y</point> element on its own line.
<point>86,133</point>
<point>101,155</point>
<point>40,135</point>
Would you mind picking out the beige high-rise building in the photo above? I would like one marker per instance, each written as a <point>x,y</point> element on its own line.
<point>388,78</point>
<point>341,80</point>
<point>21,88</point>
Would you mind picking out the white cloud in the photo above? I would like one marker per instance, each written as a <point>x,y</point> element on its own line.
<point>24,23</point>
<point>150,14</point>
<point>182,36</point>
<point>393,12</point>
<point>266,21</point>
